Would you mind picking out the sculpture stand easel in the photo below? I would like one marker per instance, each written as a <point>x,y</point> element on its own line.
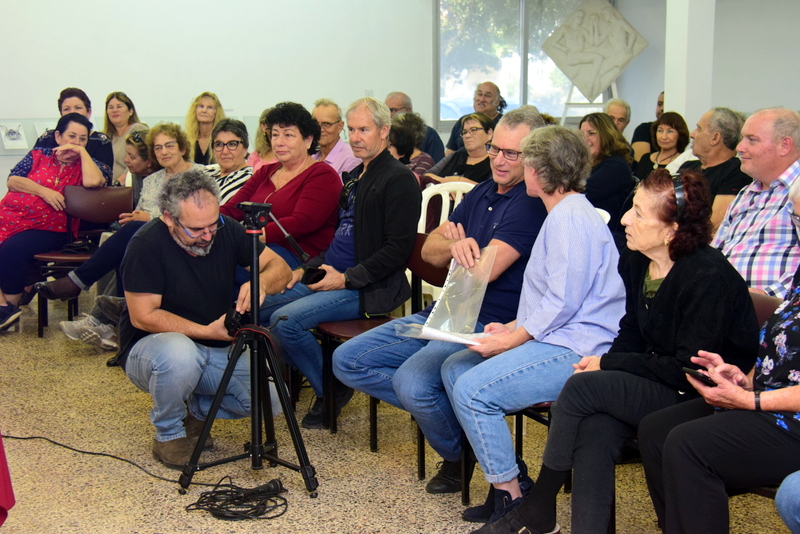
<point>573,104</point>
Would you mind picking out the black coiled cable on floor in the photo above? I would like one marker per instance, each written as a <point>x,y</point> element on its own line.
<point>233,503</point>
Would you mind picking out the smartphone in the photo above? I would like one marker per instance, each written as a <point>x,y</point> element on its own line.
<point>312,276</point>
<point>700,376</point>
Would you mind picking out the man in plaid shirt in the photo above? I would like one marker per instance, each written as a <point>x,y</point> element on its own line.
<point>758,234</point>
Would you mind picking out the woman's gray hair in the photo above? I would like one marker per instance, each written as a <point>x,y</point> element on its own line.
<point>560,157</point>
<point>380,113</point>
<point>184,186</point>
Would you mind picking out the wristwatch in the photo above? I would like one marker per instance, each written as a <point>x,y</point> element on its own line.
<point>347,284</point>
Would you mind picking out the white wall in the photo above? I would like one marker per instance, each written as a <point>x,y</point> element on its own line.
<point>251,54</point>
<point>755,53</point>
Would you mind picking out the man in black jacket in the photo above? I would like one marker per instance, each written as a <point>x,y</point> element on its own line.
<point>362,272</point>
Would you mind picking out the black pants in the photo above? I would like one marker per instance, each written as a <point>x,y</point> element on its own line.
<point>595,414</point>
<point>692,453</point>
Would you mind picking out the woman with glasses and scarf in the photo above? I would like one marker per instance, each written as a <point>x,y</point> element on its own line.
<point>682,296</point>
<point>303,192</point>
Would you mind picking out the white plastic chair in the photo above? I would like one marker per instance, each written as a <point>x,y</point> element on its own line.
<point>604,214</point>
<point>443,190</point>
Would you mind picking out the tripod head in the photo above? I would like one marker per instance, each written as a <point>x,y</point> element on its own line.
<point>256,216</point>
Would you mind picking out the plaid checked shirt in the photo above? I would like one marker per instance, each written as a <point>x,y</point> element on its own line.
<point>758,236</point>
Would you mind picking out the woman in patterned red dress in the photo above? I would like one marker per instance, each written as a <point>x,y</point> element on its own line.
<point>32,218</point>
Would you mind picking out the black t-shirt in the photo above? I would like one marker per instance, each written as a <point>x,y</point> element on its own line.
<point>197,288</point>
<point>726,178</point>
<point>642,133</point>
<point>457,166</point>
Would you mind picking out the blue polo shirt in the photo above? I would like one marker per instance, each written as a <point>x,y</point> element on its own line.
<point>513,218</point>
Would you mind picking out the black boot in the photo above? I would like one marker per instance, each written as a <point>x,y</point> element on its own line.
<point>447,480</point>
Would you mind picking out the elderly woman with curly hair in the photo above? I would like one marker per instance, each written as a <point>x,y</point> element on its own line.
<point>682,296</point>
<point>611,180</point>
<point>304,193</point>
<point>204,113</point>
<point>671,135</point>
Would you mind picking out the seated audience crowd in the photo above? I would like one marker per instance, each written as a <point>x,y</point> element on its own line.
<point>605,326</point>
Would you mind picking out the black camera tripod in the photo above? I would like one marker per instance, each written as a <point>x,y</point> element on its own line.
<point>263,364</point>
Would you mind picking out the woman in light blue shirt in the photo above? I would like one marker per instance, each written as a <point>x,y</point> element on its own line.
<point>571,302</point>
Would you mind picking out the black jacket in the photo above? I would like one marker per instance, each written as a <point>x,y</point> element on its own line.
<point>387,211</point>
<point>703,303</point>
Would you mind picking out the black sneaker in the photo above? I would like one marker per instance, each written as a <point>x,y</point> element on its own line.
<point>9,315</point>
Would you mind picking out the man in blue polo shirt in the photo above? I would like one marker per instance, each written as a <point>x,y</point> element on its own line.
<point>405,372</point>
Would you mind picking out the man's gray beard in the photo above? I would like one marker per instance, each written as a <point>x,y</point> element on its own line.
<point>200,251</point>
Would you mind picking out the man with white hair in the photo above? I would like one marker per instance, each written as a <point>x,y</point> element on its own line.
<point>758,234</point>
<point>714,142</point>
<point>332,149</point>
<point>619,111</point>
<point>399,102</point>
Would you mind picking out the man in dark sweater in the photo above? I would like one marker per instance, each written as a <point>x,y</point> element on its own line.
<point>714,143</point>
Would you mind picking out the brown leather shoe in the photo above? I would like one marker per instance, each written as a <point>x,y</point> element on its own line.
<point>173,453</point>
<point>194,427</point>
<point>63,288</point>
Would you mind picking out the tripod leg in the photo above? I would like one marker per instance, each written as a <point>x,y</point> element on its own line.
<point>233,358</point>
<point>306,469</point>
<point>271,444</point>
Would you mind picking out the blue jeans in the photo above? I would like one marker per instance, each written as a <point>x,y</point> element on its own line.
<point>406,373</point>
<point>304,310</point>
<point>483,391</point>
<point>787,501</point>
<point>175,371</point>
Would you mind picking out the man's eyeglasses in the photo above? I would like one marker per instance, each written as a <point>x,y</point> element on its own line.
<point>510,155</point>
<point>219,146</point>
<point>471,131</point>
<point>213,229</point>
<point>328,125</point>
<point>397,110</point>
<point>169,146</point>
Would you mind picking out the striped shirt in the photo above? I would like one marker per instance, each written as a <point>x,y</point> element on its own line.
<point>759,237</point>
<point>230,184</point>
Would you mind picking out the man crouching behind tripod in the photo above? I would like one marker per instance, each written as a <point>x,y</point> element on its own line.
<point>178,273</point>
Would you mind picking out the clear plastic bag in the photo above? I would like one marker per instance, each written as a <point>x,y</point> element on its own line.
<point>456,311</point>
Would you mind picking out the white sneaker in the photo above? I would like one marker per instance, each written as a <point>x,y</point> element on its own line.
<point>91,331</point>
